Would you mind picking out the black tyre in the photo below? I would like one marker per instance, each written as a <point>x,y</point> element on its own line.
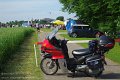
<point>74,35</point>
<point>48,66</point>
<point>93,73</point>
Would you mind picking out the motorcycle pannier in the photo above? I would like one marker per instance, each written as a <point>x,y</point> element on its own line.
<point>94,62</point>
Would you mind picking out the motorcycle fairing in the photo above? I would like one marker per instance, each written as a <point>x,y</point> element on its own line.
<point>49,48</point>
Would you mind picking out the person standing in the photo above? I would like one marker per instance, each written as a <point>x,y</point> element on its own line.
<point>37,26</point>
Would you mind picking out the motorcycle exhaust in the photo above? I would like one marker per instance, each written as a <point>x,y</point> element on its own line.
<point>81,67</point>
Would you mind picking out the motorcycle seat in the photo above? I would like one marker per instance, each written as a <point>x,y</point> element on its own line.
<point>81,52</point>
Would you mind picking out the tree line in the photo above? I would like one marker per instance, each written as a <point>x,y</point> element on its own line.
<point>100,14</point>
<point>11,24</point>
<point>19,23</point>
<point>32,22</point>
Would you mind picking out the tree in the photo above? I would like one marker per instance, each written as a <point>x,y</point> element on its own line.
<point>60,18</point>
<point>100,14</point>
<point>0,24</point>
<point>43,22</point>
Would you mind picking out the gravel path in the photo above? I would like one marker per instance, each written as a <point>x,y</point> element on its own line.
<point>112,70</point>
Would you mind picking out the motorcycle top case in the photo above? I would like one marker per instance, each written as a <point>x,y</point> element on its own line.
<point>94,62</point>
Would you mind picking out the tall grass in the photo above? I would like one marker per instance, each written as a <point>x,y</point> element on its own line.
<point>10,39</point>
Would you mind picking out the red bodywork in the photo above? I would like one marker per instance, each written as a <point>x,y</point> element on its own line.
<point>47,47</point>
<point>117,40</point>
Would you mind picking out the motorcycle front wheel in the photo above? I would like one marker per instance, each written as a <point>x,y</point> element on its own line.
<point>48,66</point>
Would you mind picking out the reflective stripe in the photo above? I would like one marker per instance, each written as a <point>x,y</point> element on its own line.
<point>93,60</point>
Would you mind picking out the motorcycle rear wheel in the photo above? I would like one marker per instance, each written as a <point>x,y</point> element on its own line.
<point>48,66</point>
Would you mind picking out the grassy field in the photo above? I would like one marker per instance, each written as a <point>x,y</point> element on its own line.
<point>113,54</point>
<point>21,66</point>
<point>10,39</point>
<point>46,29</point>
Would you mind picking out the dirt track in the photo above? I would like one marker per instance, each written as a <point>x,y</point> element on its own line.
<point>112,70</point>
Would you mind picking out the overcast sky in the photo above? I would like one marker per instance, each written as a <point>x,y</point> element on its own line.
<point>11,10</point>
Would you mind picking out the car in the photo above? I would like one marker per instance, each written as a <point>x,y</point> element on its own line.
<point>82,30</point>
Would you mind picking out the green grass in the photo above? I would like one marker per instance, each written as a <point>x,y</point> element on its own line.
<point>49,30</point>
<point>10,39</point>
<point>46,29</point>
<point>21,66</point>
<point>71,38</point>
<point>114,54</point>
<point>62,31</point>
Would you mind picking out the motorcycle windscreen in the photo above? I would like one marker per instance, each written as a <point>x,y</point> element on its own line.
<point>52,34</point>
